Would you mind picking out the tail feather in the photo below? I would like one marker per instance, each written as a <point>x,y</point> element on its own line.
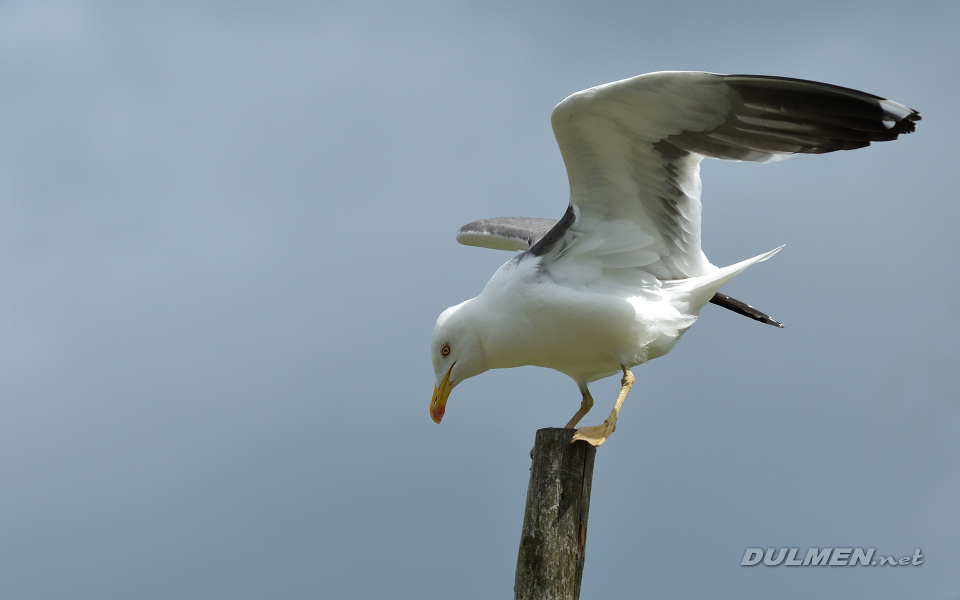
<point>691,295</point>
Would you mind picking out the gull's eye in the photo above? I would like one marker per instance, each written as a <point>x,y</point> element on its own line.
<point>445,351</point>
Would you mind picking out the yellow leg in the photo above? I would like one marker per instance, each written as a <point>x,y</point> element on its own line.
<point>598,434</point>
<point>585,407</point>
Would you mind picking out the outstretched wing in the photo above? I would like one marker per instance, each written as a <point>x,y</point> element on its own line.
<point>505,233</point>
<point>633,148</point>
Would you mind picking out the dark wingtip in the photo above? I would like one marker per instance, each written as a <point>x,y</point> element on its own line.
<point>908,124</point>
<point>762,317</point>
<point>742,308</point>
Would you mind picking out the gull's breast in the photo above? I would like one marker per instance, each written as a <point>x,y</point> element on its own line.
<point>582,333</point>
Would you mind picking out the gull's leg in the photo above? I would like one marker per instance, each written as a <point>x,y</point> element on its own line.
<point>598,434</point>
<point>585,407</point>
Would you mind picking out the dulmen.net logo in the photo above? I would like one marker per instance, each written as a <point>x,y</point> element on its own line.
<point>832,557</point>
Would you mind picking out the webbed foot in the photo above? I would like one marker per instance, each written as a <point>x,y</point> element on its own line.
<point>595,435</point>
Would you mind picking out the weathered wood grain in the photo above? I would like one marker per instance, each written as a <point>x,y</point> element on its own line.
<point>554,537</point>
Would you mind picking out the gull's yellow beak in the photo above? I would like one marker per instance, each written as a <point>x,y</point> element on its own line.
<point>440,394</point>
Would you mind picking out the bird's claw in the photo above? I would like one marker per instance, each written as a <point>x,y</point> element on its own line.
<point>595,435</point>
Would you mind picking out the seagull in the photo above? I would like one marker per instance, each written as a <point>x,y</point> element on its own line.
<point>621,276</point>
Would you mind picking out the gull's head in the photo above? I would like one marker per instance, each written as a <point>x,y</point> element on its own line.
<point>456,352</point>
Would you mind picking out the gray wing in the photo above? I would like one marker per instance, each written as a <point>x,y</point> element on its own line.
<point>633,148</point>
<point>505,233</point>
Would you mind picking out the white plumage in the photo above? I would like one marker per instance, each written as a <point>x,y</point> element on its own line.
<point>621,276</point>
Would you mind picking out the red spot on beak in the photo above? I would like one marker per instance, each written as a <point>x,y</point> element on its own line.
<point>436,413</point>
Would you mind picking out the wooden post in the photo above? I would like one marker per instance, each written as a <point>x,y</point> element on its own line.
<point>550,563</point>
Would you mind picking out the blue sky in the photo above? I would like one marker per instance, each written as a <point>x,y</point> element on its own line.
<point>226,231</point>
